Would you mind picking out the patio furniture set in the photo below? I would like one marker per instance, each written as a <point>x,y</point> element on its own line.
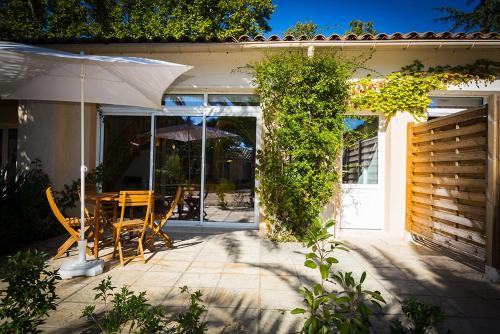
<point>114,222</point>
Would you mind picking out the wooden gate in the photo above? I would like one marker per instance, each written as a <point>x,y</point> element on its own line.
<point>447,168</point>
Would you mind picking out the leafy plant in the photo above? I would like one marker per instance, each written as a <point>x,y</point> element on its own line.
<point>408,90</point>
<point>30,292</point>
<point>125,310</point>
<point>190,321</point>
<point>25,212</point>
<point>422,318</point>
<point>303,101</point>
<point>343,309</point>
<point>128,310</point>
<point>68,197</point>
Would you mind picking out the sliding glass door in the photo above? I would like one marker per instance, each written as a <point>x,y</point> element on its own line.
<point>178,146</point>
<point>230,169</point>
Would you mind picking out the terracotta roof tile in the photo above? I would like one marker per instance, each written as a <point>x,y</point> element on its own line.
<point>288,38</point>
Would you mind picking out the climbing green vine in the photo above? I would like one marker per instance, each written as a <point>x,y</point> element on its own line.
<point>408,90</point>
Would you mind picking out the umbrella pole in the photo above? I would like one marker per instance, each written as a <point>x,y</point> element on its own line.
<point>82,244</point>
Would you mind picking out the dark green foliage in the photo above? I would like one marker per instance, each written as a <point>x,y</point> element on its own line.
<point>421,318</point>
<point>485,16</point>
<point>303,102</point>
<point>125,310</point>
<point>347,306</point>
<point>30,292</point>
<point>69,196</point>
<point>359,27</point>
<point>151,19</point>
<point>190,322</point>
<point>25,213</point>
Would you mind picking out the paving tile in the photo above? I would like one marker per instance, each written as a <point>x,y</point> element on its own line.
<point>206,267</point>
<point>280,300</point>
<point>405,287</point>
<point>157,279</point>
<point>198,280</point>
<point>232,320</point>
<point>241,268</point>
<point>236,298</point>
<point>235,281</point>
<point>282,282</point>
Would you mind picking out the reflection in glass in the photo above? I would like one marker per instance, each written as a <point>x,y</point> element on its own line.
<point>183,100</point>
<point>238,100</point>
<point>126,152</point>
<point>360,155</point>
<point>178,165</point>
<point>230,169</point>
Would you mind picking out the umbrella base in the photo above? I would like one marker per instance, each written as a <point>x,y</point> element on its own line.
<point>81,267</point>
<point>75,268</point>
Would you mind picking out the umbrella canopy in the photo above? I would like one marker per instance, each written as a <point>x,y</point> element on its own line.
<point>33,73</point>
<point>190,132</point>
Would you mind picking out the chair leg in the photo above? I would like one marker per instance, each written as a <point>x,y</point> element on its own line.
<point>164,236</point>
<point>120,251</point>
<point>141,250</point>
<point>64,247</point>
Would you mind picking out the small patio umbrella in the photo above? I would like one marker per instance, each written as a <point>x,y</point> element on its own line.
<point>33,73</point>
<point>190,132</point>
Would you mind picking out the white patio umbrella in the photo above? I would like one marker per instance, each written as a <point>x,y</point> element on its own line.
<point>33,73</point>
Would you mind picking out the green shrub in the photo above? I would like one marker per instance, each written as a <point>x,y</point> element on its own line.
<point>26,214</point>
<point>421,318</point>
<point>130,312</point>
<point>344,309</point>
<point>303,102</point>
<point>69,196</point>
<point>30,292</point>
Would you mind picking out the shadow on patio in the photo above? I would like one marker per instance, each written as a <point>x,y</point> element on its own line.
<point>250,284</point>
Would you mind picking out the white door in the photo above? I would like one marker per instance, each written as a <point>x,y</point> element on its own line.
<point>362,195</point>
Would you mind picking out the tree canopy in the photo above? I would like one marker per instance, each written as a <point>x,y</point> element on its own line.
<point>485,17</point>
<point>309,29</point>
<point>359,27</point>
<point>70,19</point>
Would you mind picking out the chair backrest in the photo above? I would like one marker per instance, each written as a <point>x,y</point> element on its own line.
<point>53,205</point>
<point>136,198</point>
<point>173,205</point>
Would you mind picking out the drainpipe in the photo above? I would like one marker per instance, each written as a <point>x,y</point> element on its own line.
<point>310,51</point>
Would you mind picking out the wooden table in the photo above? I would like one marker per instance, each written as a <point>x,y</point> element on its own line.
<point>99,199</point>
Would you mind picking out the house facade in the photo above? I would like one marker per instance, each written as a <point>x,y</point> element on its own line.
<point>206,136</point>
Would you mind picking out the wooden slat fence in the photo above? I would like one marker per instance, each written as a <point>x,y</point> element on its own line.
<point>447,181</point>
<point>359,157</point>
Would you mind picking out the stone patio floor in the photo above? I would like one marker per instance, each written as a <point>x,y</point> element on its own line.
<point>251,283</point>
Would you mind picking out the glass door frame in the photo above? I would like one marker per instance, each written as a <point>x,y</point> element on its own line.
<point>204,112</point>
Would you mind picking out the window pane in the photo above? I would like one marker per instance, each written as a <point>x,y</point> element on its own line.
<point>12,148</point>
<point>126,152</point>
<point>230,169</point>
<point>360,155</point>
<point>178,166</point>
<point>456,102</point>
<point>183,100</point>
<point>237,100</point>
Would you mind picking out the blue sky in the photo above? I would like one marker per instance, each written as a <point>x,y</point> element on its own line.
<point>388,15</point>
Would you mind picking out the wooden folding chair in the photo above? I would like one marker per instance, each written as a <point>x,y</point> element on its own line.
<point>156,228</point>
<point>133,228</point>
<point>71,225</point>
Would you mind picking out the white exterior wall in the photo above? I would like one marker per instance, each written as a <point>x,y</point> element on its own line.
<point>53,132</point>
<point>50,132</point>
